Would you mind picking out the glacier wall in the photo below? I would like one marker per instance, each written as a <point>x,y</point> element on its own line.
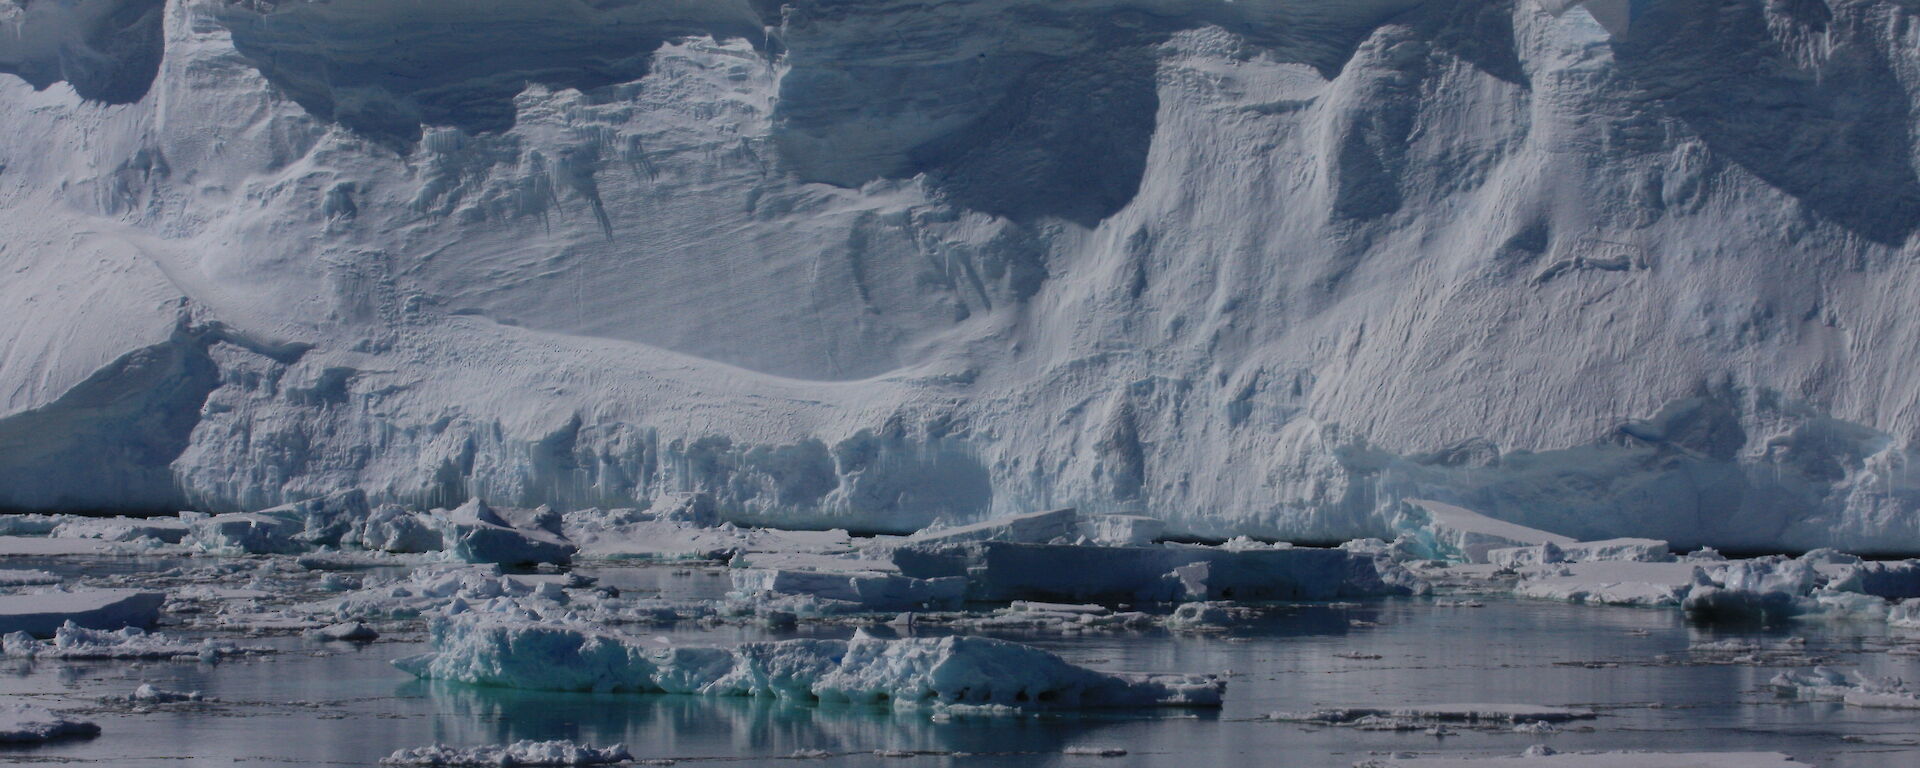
<point>1262,267</point>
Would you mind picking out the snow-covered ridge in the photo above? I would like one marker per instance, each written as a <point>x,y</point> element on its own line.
<point>1261,267</point>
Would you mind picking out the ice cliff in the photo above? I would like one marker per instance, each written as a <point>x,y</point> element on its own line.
<point>1261,267</point>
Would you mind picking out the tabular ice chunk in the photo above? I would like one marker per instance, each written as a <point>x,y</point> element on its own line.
<point>28,724</point>
<point>42,614</point>
<point>998,571</point>
<point>477,534</point>
<point>1446,532</point>
<point>1035,528</point>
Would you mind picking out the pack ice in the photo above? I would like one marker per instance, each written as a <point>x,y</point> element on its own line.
<point>1318,259</point>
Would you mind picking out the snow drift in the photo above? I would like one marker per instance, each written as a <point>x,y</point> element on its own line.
<point>1263,267</point>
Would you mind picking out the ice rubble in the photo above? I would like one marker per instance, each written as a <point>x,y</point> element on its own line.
<point>27,578</point>
<point>949,673</point>
<point>1819,585</point>
<point>519,753</point>
<point>431,589</point>
<point>1855,689</point>
<point>148,694</point>
<point>1547,758</point>
<point>42,613</point>
<point>26,723</point>
<point>75,642</point>
<point>1610,550</point>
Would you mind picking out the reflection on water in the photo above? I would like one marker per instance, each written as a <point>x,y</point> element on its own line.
<point>348,706</point>
<point>693,726</point>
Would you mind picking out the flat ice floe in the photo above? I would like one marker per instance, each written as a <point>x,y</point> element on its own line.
<point>1032,528</point>
<point>22,723</point>
<point>971,674</point>
<point>1610,583</point>
<point>43,613</point>
<point>41,546</point>
<point>1548,759</point>
<point>1447,713</point>
<point>998,571</point>
<point>1447,532</point>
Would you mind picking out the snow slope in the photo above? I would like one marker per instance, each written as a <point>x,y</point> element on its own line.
<point>1265,267</point>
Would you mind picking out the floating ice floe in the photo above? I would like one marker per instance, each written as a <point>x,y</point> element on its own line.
<point>850,591</point>
<point>684,527</point>
<point>246,533</point>
<point>1059,617</point>
<point>1819,585</point>
<point>970,674</point>
<point>1540,757</point>
<point>476,533</point>
<point>1032,528</point>
<point>32,525</point>
<point>1856,689</point>
<point>519,753</point>
<point>346,631</point>
<point>1610,550</point>
<point>1486,713</point>
<point>166,530</point>
<point>391,528</point>
<point>1609,582</point>
<point>43,613</point>
<point>1446,532</point>
<point>437,587</point>
<point>1004,571</point>
<point>1122,530</point>
<point>22,723</point>
<point>42,546</point>
<point>26,578</point>
<point>75,642</point>
<point>148,694</point>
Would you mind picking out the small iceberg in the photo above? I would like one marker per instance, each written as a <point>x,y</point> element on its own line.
<point>947,674</point>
